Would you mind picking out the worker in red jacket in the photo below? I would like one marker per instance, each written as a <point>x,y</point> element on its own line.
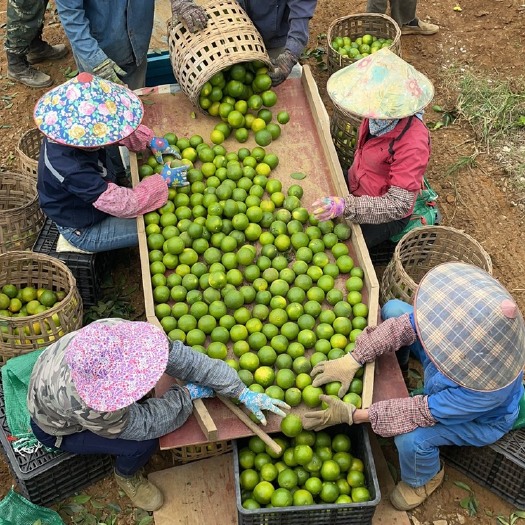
<point>393,146</point>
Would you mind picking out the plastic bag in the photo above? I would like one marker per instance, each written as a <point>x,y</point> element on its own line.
<point>16,510</point>
<point>425,212</point>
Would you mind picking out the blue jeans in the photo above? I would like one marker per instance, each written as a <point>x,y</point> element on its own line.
<point>110,234</point>
<point>130,456</point>
<point>419,450</point>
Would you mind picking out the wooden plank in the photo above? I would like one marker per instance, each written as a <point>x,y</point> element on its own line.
<point>385,513</point>
<point>200,492</point>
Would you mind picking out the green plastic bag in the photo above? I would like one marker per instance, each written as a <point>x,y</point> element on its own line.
<point>425,212</point>
<point>520,422</point>
<point>16,510</point>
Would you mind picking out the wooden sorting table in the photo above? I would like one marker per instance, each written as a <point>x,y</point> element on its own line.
<point>304,146</point>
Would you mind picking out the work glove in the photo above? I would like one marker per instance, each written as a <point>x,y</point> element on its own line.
<point>160,146</point>
<point>110,71</point>
<point>193,16</point>
<point>256,402</point>
<point>342,369</point>
<point>282,66</point>
<point>328,208</point>
<point>199,391</point>
<point>337,412</point>
<point>175,177</point>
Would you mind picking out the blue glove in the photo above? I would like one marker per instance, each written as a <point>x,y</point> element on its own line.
<point>199,391</point>
<point>256,402</point>
<point>175,177</point>
<point>160,146</point>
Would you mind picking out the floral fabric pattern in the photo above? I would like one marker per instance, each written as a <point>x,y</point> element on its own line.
<point>88,112</point>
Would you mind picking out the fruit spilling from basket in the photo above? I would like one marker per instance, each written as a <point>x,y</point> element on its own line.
<point>313,468</point>
<point>241,271</point>
<point>241,95</point>
<point>360,47</point>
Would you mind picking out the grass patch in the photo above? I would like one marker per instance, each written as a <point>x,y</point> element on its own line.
<point>495,109</point>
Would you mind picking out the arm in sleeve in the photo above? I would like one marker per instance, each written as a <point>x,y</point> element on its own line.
<point>301,12</point>
<point>399,416</point>
<point>187,364</point>
<point>126,203</point>
<point>157,417</point>
<point>389,336</point>
<point>77,28</point>
<point>139,139</point>
<point>395,204</point>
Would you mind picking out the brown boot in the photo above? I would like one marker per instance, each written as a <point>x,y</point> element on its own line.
<point>141,492</point>
<point>41,51</point>
<point>19,69</point>
<point>405,497</point>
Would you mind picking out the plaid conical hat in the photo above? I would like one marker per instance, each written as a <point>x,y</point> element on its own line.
<point>470,326</point>
<point>380,86</point>
<point>88,112</point>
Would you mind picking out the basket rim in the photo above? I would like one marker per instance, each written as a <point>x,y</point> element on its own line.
<point>364,15</point>
<point>17,254</point>
<point>26,175</point>
<point>437,228</point>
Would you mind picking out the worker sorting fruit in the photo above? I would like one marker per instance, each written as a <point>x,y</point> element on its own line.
<point>283,27</point>
<point>469,336</point>
<point>85,396</point>
<point>393,144</point>
<point>76,182</point>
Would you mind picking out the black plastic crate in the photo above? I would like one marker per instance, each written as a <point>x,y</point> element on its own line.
<point>87,268</point>
<point>499,467</point>
<point>320,514</point>
<point>46,477</point>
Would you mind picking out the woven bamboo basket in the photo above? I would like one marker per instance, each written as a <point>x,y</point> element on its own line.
<point>343,129</point>
<point>190,453</point>
<point>28,151</point>
<point>20,335</point>
<point>422,249</point>
<point>229,38</point>
<point>354,26</point>
<point>21,218</point>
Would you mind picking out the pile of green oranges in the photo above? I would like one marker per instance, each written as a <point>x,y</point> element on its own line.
<point>241,95</point>
<point>312,468</point>
<point>360,47</point>
<point>241,271</point>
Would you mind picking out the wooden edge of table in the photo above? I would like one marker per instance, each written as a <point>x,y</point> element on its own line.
<point>358,241</point>
<point>200,411</point>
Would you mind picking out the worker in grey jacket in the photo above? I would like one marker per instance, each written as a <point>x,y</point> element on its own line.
<point>86,389</point>
<point>283,27</point>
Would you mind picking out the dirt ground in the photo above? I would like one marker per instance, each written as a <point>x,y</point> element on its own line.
<point>486,36</point>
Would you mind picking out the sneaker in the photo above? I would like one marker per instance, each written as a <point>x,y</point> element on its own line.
<point>140,491</point>
<point>418,27</point>
<point>405,497</point>
<point>46,51</point>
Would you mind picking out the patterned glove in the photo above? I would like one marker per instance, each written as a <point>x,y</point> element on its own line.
<point>282,66</point>
<point>193,16</point>
<point>199,391</point>
<point>160,146</point>
<point>337,412</point>
<point>256,402</point>
<point>110,71</point>
<point>342,369</point>
<point>328,208</point>
<point>175,177</point>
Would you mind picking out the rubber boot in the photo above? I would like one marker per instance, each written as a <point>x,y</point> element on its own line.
<point>140,491</point>
<point>19,69</point>
<point>40,51</point>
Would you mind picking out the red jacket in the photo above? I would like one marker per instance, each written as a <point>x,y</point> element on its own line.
<point>397,158</point>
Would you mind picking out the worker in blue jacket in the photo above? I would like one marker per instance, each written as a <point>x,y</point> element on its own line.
<point>283,27</point>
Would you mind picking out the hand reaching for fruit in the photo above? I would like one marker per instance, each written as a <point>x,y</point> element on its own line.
<point>282,66</point>
<point>337,412</point>
<point>160,146</point>
<point>199,391</point>
<point>328,208</point>
<point>175,177</point>
<point>256,403</point>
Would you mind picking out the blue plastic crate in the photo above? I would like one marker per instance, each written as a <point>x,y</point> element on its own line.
<point>159,71</point>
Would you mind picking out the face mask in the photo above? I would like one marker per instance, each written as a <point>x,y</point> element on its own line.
<point>379,127</point>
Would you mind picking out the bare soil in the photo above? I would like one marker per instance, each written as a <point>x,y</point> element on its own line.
<point>486,36</point>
